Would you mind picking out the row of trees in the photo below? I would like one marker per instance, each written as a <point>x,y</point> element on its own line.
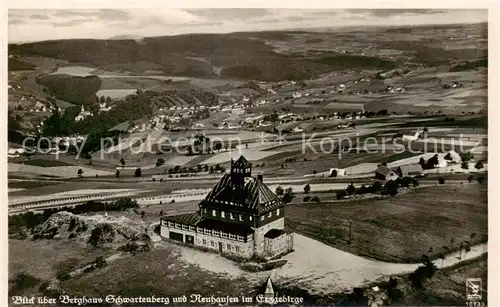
<point>286,195</point>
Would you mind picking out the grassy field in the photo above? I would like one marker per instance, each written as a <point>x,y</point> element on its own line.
<point>40,261</point>
<point>447,287</point>
<point>398,229</point>
<point>46,163</point>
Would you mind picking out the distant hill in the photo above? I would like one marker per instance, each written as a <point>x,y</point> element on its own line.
<point>241,55</point>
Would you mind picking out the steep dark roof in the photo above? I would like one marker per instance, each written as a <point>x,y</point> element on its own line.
<point>242,163</point>
<point>253,195</point>
<point>383,170</point>
<point>187,219</point>
<point>274,233</point>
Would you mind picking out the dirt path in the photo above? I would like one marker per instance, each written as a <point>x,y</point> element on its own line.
<point>328,269</point>
<point>318,267</point>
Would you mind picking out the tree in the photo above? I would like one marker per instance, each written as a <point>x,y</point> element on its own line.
<point>423,273</point>
<point>422,162</point>
<point>391,187</point>
<point>341,194</point>
<point>479,165</point>
<point>415,182</point>
<point>117,173</point>
<point>80,172</point>
<point>464,165</point>
<point>279,191</point>
<point>307,188</point>
<point>393,293</point>
<point>122,162</point>
<point>288,195</point>
<point>108,99</point>
<point>160,162</point>
<point>432,162</point>
<point>441,180</point>
<point>333,173</point>
<point>376,186</point>
<point>466,157</point>
<point>350,189</point>
<point>138,172</point>
<point>470,178</point>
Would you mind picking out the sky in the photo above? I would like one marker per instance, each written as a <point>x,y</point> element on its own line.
<point>28,25</point>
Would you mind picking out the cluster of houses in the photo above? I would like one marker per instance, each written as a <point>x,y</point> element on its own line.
<point>383,172</point>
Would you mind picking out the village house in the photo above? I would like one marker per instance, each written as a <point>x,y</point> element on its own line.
<point>410,170</point>
<point>384,173</point>
<point>241,216</point>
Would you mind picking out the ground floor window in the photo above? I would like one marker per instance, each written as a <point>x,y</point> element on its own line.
<point>229,247</point>
<point>176,236</point>
<point>237,249</point>
<point>204,242</point>
<point>212,243</point>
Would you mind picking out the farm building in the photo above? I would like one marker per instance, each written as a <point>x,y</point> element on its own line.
<point>384,173</point>
<point>241,216</point>
<point>337,172</point>
<point>410,170</point>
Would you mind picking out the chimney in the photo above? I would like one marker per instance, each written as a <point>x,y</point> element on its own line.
<point>260,177</point>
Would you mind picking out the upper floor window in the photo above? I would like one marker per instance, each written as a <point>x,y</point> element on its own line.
<point>250,217</point>
<point>241,217</point>
<point>231,216</point>
<point>262,218</point>
<point>222,214</point>
<point>270,214</point>
<point>278,211</point>
<point>214,213</point>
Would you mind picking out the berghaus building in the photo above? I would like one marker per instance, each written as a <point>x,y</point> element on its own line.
<point>240,216</point>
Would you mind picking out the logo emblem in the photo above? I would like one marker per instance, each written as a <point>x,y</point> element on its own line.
<point>474,287</point>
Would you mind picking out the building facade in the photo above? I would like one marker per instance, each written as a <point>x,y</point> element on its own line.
<point>240,216</point>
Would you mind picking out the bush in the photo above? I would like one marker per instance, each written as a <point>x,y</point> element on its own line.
<point>441,180</point>
<point>307,189</point>
<point>21,282</point>
<point>160,162</point>
<point>279,191</point>
<point>306,198</point>
<point>479,165</point>
<point>341,194</point>
<point>138,172</point>
<point>470,178</point>
<point>423,273</point>
<point>350,189</point>
<point>316,199</point>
